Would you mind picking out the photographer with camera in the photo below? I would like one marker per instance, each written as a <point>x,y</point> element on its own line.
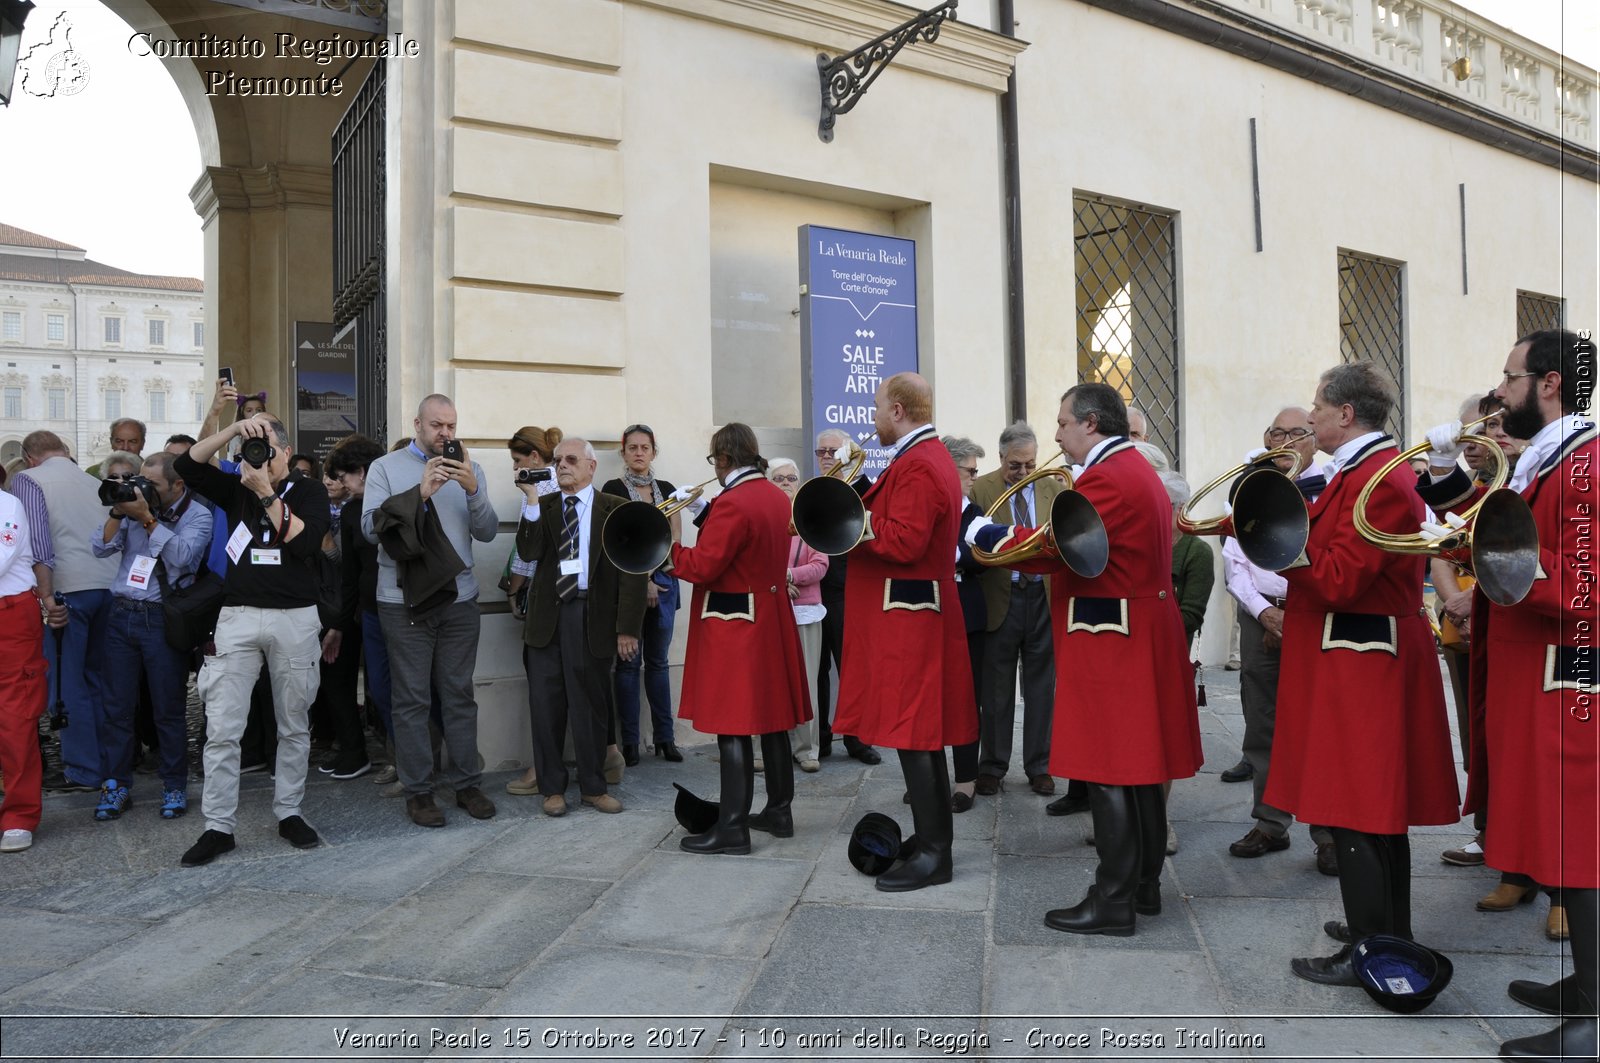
<point>64,515</point>
<point>424,505</point>
<point>269,612</point>
<point>162,533</point>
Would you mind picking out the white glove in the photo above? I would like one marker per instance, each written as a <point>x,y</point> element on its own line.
<point>978,523</point>
<point>1254,453</point>
<point>1444,444</point>
<point>683,494</point>
<point>695,504</point>
<point>1452,525</point>
<point>842,454</point>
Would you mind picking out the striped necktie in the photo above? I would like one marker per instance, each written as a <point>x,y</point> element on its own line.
<point>1022,519</point>
<point>567,586</point>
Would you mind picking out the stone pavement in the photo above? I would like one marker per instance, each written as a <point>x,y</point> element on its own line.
<point>588,936</point>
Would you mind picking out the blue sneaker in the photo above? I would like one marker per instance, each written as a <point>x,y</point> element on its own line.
<point>174,803</point>
<point>113,799</point>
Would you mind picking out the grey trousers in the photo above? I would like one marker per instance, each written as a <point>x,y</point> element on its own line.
<point>439,653</point>
<point>246,635</point>
<point>569,688</point>
<point>1024,634</point>
<point>1258,690</point>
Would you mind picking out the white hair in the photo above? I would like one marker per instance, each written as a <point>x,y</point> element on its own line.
<point>1177,488</point>
<point>588,448</point>
<point>833,433</point>
<point>1153,454</point>
<point>777,463</point>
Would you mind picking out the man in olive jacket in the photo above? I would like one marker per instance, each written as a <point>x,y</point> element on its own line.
<point>583,612</point>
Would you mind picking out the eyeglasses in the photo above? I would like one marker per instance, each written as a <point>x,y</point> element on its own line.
<point>1020,466</point>
<point>1280,435</point>
<point>711,459</point>
<point>632,428</point>
<point>786,479</point>
<point>1507,378</point>
<point>823,452</point>
<point>568,459</point>
<point>970,470</point>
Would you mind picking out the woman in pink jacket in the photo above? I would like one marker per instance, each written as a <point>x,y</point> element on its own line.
<point>806,569</point>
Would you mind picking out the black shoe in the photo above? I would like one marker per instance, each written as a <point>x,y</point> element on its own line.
<point>1327,970</point>
<point>59,783</point>
<point>865,754</point>
<point>1147,897</point>
<point>929,863</point>
<point>1094,915</point>
<point>1338,931</point>
<point>1573,1039</point>
<point>825,751</point>
<point>960,802</point>
<point>731,832</point>
<point>1067,806</point>
<point>731,840</point>
<point>212,844</point>
<point>1240,772</point>
<point>669,752</point>
<point>630,756</point>
<point>298,833</point>
<point>1546,998</point>
<point>778,822</point>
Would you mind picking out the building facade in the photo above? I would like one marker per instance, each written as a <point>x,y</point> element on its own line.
<point>83,344</point>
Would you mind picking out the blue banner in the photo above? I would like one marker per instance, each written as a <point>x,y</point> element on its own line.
<point>858,327</point>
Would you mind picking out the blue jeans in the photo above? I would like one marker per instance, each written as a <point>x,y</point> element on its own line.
<point>135,641</point>
<point>78,683</point>
<point>377,665</point>
<point>655,641</point>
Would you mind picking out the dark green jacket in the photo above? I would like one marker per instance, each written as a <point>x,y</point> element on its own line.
<point>1193,574</point>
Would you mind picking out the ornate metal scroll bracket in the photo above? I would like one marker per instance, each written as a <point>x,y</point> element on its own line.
<point>846,79</point>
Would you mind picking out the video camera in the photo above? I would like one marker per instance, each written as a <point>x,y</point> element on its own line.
<point>532,476</point>
<point>116,490</point>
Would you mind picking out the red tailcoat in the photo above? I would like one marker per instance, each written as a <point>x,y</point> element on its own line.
<point>1362,739</point>
<point>905,681</point>
<point>1533,687</point>
<point>743,673</point>
<point>1125,699</point>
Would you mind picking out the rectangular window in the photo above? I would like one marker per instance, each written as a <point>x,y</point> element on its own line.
<point>1372,322</point>
<point>55,328</point>
<point>113,403</point>
<point>199,407</point>
<point>113,329</point>
<point>1127,314</point>
<point>158,405</point>
<point>1536,312</point>
<point>199,334</point>
<point>158,332</point>
<point>56,400</point>
<point>11,326</point>
<point>13,404</point>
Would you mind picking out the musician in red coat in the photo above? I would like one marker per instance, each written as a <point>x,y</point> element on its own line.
<point>1534,685</point>
<point>905,681</point>
<point>1125,720</point>
<point>1364,745</point>
<point>743,673</point>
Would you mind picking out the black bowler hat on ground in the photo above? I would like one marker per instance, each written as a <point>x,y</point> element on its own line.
<point>695,814</point>
<point>875,844</point>
<point>1400,975</point>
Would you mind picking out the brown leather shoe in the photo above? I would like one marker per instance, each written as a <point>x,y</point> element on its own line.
<point>988,785</point>
<point>423,812</point>
<point>1328,859</point>
<point>477,805</point>
<point>1042,785</point>
<point>602,803</point>
<point>555,805</point>
<point>1258,843</point>
<point>1506,896</point>
<point>1555,927</point>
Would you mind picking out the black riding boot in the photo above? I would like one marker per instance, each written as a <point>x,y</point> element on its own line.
<point>1399,885</point>
<point>928,783</point>
<point>1575,1037</point>
<point>776,819</point>
<point>1366,883</point>
<point>1108,908</point>
<point>1151,802</point>
<point>732,832</point>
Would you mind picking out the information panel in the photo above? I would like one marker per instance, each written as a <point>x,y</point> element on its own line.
<point>858,327</point>
<point>325,386</point>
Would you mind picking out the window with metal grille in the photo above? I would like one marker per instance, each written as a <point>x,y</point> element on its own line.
<point>1127,302</point>
<point>55,328</point>
<point>13,404</point>
<point>113,329</point>
<point>1537,312</point>
<point>11,326</point>
<point>1372,322</point>
<point>56,403</point>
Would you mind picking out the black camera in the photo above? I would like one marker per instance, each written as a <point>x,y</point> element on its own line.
<point>117,490</point>
<point>256,451</point>
<point>532,476</point>
<point>452,450</point>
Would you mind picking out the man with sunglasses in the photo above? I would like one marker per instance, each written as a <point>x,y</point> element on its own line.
<point>1261,596</point>
<point>432,644</point>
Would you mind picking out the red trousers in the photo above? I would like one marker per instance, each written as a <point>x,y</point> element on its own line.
<point>22,699</point>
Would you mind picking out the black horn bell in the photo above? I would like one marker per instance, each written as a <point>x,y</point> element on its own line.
<point>829,516</point>
<point>636,538</point>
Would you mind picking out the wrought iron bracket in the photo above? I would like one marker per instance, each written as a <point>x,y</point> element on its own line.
<point>846,79</point>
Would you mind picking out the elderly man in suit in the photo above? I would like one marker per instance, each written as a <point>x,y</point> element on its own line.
<point>582,613</point>
<point>1019,627</point>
